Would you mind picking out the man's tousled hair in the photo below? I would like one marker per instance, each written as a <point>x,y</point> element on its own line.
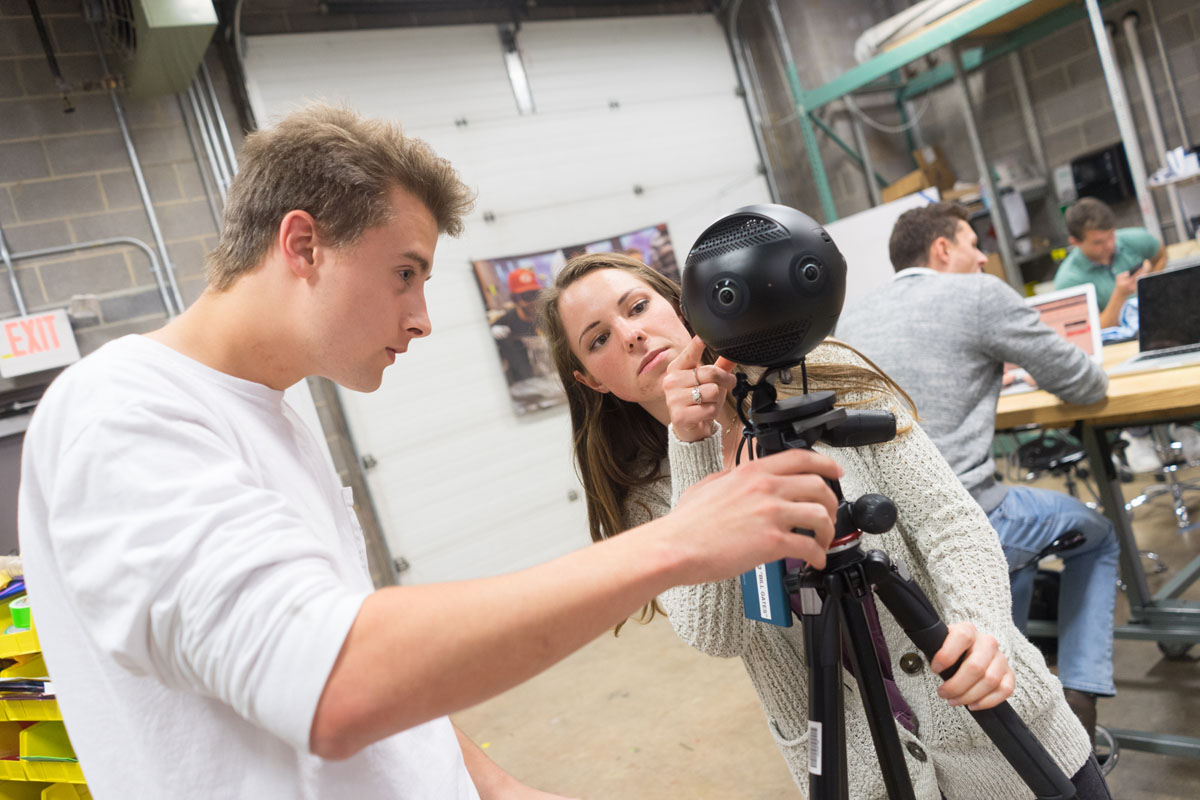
<point>339,167</point>
<point>1089,214</point>
<point>918,228</point>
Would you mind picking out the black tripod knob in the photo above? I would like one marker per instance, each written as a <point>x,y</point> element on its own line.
<point>873,513</point>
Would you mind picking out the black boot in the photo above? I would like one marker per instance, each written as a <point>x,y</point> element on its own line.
<point>1083,705</point>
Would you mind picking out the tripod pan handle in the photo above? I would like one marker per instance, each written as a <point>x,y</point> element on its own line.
<point>912,609</point>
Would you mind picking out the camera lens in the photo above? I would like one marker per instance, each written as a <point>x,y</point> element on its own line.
<point>725,293</point>
<point>809,275</point>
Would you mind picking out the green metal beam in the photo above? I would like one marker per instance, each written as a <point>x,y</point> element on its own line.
<point>1179,584</point>
<point>850,151</point>
<point>941,34</point>
<point>820,178</point>
<point>909,139</point>
<point>972,58</point>
<point>975,57</point>
<point>1165,744</point>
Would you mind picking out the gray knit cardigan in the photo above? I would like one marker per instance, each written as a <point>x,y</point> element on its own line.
<point>944,539</point>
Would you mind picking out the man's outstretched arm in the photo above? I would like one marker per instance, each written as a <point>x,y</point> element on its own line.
<point>415,653</point>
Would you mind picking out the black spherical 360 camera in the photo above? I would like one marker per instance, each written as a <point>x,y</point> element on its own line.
<point>764,285</point>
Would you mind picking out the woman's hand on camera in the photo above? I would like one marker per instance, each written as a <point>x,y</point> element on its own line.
<point>735,520</point>
<point>685,380</point>
<point>984,679</point>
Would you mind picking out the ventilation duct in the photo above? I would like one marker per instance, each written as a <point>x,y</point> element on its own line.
<point>159,43</point>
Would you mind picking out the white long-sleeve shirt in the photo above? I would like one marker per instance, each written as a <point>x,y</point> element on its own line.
<point>194,566</point>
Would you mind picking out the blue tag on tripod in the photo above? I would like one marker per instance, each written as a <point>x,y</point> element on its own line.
<point>764,595</point>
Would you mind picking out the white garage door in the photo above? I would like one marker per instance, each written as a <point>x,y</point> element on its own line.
<point>464,487</point>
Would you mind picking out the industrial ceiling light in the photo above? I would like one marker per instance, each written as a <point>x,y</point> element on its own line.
<point>516,70</point>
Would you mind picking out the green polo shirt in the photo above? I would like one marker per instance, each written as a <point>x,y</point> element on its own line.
<point>1134,245</point>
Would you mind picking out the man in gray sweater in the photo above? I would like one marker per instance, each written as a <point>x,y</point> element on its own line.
<point>943,330</point>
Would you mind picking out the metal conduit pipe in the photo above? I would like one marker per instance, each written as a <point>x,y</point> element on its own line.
<point>12,276</point>
<point>987,186</point>
<point>208,131</point>
<point>208,151</point>
<point>230,153</point>
<point>806,128</point>
<point>205,179</point>
<point>212,111</point>
<point>1120,103</point>
<point>868,166</point>
<point>750,89</point>
<point>1130,24</point>
<point>109,242</point>
<point>140,179</point>
<point>1027,115</point>
<point>1167,76</point>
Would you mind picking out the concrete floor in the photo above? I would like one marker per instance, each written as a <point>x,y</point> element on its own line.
<point>645,717</point>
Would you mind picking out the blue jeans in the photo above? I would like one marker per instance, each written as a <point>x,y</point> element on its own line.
<point>1028,520</point>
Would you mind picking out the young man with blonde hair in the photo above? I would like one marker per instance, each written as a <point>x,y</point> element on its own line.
<point>202,596</point>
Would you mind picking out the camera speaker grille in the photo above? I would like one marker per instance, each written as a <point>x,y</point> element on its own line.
<point>764,348</point>
<point>734,234</point>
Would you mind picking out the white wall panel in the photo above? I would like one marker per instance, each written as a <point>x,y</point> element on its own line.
<point>464,488</point>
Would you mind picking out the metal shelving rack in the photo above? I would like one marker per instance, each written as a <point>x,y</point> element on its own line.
<point>975,34</point>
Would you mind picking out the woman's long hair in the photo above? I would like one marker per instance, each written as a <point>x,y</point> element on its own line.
<point>619,445</point>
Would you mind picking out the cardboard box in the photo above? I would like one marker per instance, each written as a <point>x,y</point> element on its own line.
<point>931,161</point>
<point>933,171</point>
<point>966,195</point>
<point>995,266</point>
<point>914,181</point>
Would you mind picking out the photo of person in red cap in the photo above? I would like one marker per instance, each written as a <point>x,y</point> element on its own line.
<point>509,287</point>
<point>511,328</point>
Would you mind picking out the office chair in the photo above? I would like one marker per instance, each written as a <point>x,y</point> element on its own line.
<point>1170,452</point>
<point>1051,452</point>
<point>1055,452</point>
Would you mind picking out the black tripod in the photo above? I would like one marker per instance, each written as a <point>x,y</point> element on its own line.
<point>832,605</point>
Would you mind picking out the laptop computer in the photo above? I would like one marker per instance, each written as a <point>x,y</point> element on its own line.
<point>1075,315</point>
<point>1168,321</point>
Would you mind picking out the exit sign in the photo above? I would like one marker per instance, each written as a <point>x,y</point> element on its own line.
<point>36,343</point>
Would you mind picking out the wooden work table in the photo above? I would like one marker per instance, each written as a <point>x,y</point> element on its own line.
<point>1132,398</point>
<point>1157,396</point>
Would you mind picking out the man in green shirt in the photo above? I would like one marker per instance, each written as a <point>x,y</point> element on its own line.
<point>1112,260</point>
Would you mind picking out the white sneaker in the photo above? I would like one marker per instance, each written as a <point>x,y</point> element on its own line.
<point>1187,436</point>
<point>1140,453</point>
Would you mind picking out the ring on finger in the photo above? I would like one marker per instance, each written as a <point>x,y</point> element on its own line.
<point>696,395</point>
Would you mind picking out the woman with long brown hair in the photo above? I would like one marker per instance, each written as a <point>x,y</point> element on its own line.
<point>651,415</point>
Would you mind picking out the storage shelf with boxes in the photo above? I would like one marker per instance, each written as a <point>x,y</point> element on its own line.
<point>36,757</point>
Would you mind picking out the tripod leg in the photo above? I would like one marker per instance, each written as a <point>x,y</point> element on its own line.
<point>826,719</point>
<point>911,608</point>
<point>875,700</point>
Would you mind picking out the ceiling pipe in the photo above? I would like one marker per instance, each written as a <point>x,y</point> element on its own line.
<point>1120,103</point>
<point>1130,24</point>
<point>1168,77</point>
<point>12,276</point>
<point>139,178</point>
<point>60,82</point>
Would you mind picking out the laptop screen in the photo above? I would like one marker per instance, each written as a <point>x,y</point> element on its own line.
<point>1069,317</point>
<point>1167,309</point>
<point>1072,314</point>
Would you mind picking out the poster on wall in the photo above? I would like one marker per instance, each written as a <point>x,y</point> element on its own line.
<point>510,286</point>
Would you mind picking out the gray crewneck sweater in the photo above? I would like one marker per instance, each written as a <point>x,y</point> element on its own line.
<point>945,338</point>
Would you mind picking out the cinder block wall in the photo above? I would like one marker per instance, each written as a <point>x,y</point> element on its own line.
<point>66,178</point>
<point>1067,89</point>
